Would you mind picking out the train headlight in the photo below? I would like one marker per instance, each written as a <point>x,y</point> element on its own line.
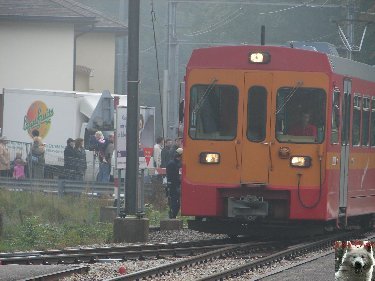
<point>209,158</point>
<point>259,57</point>
<point>300,161</point>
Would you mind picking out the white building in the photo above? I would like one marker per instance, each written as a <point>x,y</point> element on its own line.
<point>57,44</point>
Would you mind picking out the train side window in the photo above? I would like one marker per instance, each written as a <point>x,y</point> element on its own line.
<point>335,122</point>
<point>365,121</point>
<point>372,126</point>
<point>356,122</point>
<point>213,112</point>
<point>257,114</point>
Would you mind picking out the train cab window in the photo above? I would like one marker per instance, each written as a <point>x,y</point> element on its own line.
<point>213,112</point>
<point>257,114</point>
<point>356,124</point>
<point>300,115</point>
<point>335,121</point>
<point>365,122</point>
<point>372,126</point>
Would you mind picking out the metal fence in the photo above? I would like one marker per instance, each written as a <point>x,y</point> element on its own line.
<point>54,161</point>
<point>61,186</point>
<point>55,181</point>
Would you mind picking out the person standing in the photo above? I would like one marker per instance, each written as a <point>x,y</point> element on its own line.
<point>166,153</point>
<point>37,158</point>
<point>4,158</point>
<point>105,158</point>
<point>79,160</point>
<point>157,152</point>
<point>69,166</point>
<point>174,183</point>
<point>177,144</point>
<point>19,167</point>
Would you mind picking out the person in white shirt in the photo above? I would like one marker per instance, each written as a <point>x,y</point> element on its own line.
<point>157,152</point>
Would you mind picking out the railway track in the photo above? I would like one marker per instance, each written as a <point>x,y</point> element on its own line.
<point>274,254</point>
<point>92,255</point>
<point>247,256</point>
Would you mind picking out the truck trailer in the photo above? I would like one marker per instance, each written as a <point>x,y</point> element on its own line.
<point>57,115</point>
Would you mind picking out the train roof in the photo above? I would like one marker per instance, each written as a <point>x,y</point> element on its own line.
<point>282,59</point>
<point>351,68</point>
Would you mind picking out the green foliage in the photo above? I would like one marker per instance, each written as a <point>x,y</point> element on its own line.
<point>38,221</point>
<point>155,215</point>
<point>33,234</point>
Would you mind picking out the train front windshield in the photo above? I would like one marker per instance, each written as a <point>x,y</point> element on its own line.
<point>213,112</point>
<point>300,115</point>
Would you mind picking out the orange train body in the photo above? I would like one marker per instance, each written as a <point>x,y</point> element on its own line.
<point>242,161</point>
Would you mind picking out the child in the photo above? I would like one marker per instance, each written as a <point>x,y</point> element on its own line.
<point>19,167</point>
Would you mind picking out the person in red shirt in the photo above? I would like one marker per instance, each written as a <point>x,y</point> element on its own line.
<point>304,128</point>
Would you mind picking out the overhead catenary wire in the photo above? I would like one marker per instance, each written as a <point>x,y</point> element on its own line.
<point>224,21</point>
<point>146,50</point>
<point>153,19</point>
<point>287,9</point>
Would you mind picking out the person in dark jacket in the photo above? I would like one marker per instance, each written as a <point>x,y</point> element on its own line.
<point>166,153</point>
<point>69,165</point>
<point>174,183</point>
<point>79,160</point>
<point>36,158</point>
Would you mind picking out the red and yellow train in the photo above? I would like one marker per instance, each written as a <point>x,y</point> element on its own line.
<point>277,137</point>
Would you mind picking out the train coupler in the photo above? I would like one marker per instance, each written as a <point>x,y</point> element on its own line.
<point>247,207</point>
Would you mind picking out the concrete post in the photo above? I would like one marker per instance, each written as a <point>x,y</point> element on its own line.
<point>131,230</point>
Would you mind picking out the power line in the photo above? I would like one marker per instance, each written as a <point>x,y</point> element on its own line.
<point>218,24</point>
<point>254,3</point>
<point>286,9</point>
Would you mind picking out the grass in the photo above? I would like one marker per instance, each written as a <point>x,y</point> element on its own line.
<point>32,220</point>
<point>38,221</point>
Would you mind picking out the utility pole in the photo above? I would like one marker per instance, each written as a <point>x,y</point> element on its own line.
<point>171,94</point>
<point>120,79</point>
<point>132,142</point>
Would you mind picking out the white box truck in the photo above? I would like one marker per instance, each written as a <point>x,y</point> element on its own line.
<point>57,115</point>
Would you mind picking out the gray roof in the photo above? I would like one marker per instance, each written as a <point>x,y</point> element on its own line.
<point>59,10</point>
<point>351,68</point>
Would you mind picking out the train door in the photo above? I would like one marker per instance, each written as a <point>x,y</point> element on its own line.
<point>345,145</point>
<point>256,134</point>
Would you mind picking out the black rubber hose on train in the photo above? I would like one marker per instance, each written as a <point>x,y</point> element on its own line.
<point>320,188</point>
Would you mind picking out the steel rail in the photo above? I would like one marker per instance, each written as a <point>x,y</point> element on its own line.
<point>289,253</point>
<point>92,255</point>
<point>203,258</point>
<point>293,265</point>
<point>133,247</point>
<point>58,274</point>
<point>97,257</point>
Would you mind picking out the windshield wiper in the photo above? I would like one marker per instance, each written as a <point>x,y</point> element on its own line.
<point>289,96</point>
<point>204,96</point>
